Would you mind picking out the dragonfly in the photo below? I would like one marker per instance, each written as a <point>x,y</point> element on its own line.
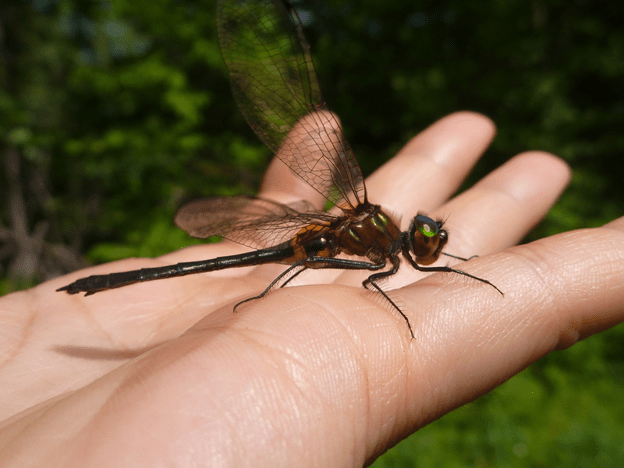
<point>275,85</point>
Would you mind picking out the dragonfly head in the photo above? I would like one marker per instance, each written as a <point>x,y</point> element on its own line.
<point>427,238</point>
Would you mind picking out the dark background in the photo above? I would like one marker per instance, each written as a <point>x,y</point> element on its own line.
<point>114,112</point>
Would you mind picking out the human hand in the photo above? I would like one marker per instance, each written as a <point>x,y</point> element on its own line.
<point>163,373</point>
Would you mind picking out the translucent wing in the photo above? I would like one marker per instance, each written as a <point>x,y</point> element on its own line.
<point>275,85</point>
<point>251,221</point>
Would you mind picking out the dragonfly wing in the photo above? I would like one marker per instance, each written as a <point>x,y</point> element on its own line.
<point>252,221</point>
<point>275,84</point>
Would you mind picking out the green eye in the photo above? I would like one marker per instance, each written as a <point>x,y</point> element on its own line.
<point>427,226</point>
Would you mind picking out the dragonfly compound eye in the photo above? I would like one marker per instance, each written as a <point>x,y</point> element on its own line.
<point>427,226</point>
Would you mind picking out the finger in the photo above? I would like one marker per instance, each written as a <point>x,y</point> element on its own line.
<point>503,207</point>
<point>497,212</point>
<point>310,137</point>
<point>426,172</point>
<point>282,185</point>
<point>431,167</point>
<point>578,276</point>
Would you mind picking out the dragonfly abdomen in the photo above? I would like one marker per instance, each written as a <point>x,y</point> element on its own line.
<point>95,283</point>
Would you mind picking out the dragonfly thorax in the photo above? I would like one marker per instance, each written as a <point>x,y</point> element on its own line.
<point>372,234</point>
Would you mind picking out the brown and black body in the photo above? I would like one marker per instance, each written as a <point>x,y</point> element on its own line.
<point>365,232</point>
<point>369,233</point>
<point>275,84</point>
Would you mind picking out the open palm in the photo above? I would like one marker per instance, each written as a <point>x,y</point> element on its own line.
<point>321,374</point>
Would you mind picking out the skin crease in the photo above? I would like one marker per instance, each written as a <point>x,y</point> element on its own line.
<point>164,374</point>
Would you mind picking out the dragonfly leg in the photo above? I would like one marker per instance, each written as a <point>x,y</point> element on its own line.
<point>294,275</point>
<point>447,269</point>
<point>330,262</point>
<point>274,282</point>
<point>343,263</point>
<point>458,257</point>
<point>372,280</point>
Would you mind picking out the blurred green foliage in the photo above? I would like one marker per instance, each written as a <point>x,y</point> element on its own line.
<point>116,111</point>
